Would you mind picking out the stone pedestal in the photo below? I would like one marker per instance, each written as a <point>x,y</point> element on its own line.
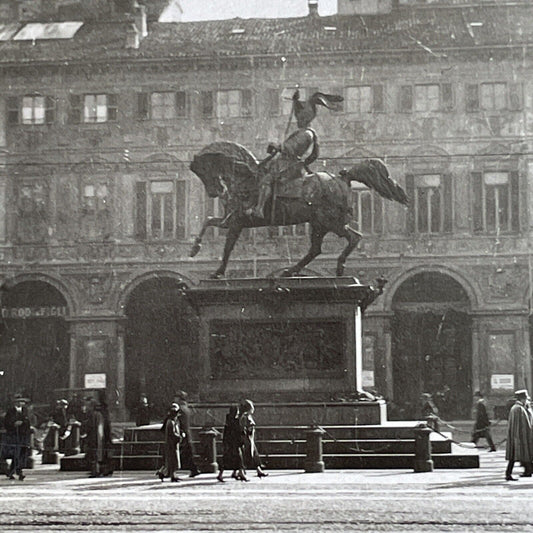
<point>294,339</point>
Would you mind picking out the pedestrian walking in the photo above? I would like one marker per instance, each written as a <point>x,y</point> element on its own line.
<point>232,443</point>
<point>519,436</point>
<point>16,445</point>
<point>186,446</point>
<point>143,411</point>
<point>250,453</point>
<point>98,441</point>
<point>171,453</point>
<point>482,422</point>
<point>60,417</point>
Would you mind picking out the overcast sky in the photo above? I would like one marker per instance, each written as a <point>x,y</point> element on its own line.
<point>223,9</point>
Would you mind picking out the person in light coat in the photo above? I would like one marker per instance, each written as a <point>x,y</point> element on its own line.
<point>519,436</point>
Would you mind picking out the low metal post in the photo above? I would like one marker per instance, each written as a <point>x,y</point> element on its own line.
<point>313,460</point>
<point>208,446</point>
<point>51,445</point>
<point>72,442</point>
<point>30,460</point>
<point>423,461</point>
<point>3,462</point>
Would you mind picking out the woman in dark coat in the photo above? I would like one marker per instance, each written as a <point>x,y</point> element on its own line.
<point>171,453</point>
<point>250,454</point>
<point>232,447</point>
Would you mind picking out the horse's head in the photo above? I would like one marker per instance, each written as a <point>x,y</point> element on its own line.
<point>208,172</point>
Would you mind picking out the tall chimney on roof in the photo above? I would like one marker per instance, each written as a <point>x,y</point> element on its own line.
<point>313,8</point>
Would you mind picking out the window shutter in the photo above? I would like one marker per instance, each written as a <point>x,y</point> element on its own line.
<point>406,98</point>
<point>377,99</point>
<point>515,96</point>
<point>447,96</point>
<point>13,110</point>
<point>50,109</point>
<point>515,200</point>
<point>143,106</point>
<point>140,215</point>
<point>273,109</point>
<point>410,190</point>
<point>74,114</point>
<point>378,214</point>
<point>246,103</point>
<point>207,104</point>
<point>472,98</point>
<point>112,110</point>
<point>181,206</point>
<point>477,207</point>
<point>447,202</point>
<point>181,104</point>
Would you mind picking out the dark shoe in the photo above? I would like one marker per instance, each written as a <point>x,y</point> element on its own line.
<point>175,479</point>
<point>510,478</point>
<point>94,475</point>
<point>260,473</point>
<point>22,476</point>
<point>234,475</point>
<point>11,476</point>
<point>492,450</point>
<point>525,474</point>
<point>160,476</point>
<point>195,473</point>
<point>220,478</point>
<point>242,477</point>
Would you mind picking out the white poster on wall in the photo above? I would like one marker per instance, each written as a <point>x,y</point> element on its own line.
<point>95,381</point>
<point>502,381</point>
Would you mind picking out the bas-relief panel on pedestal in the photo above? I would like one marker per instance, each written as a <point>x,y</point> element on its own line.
<point>276,350</point>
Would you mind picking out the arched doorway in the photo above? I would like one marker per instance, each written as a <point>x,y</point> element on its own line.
<point>160,343</point>
<point>431,345</point>
<point>34,341</point>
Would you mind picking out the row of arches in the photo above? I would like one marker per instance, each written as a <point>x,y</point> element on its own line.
<point>431,332</point>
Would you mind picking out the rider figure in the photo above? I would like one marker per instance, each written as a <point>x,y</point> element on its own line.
<point>298,151</point>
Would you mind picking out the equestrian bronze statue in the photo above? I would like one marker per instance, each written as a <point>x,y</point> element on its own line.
<point>281,190</point>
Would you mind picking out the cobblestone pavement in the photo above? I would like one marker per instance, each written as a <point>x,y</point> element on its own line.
<point>287,501</point>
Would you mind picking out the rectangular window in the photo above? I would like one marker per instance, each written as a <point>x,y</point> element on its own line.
<point>31,109</point>
<point>99,108</point>
<point>428,204</point>
<point>493,96</point>
<point>496,202</point>
<point>32,211</point>
<point>367,210</point>
<point>359,99</point>
<point>427,98</point>
<point>163,105</point>
<point>234,103</point>
<point>161,209</point>
<point>95,220</point>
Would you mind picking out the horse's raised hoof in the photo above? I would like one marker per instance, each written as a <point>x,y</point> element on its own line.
<point>195,249</point>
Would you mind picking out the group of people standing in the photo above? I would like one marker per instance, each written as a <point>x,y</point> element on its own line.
<point>239,449</point>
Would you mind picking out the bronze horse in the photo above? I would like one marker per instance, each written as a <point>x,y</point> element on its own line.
<point>230,172</point>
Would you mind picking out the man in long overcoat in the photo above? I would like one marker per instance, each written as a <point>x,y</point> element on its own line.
<point>519,436</point>
<point>482,423</point>
<point>171,448</point>
<point>17,437</point>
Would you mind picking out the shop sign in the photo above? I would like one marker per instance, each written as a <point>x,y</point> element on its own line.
<point>502,381</point>
<point>34,312</point>
<point>95,381</point>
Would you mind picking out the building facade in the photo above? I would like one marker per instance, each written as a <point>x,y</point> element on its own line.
<point>101,115</point>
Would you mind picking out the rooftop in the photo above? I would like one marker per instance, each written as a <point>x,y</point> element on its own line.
<point>417,29</point>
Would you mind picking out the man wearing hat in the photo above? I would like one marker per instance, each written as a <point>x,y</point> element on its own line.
<point>519,436</point>
<point>299,150</point>
<point>17,437</point>
<point>482,423</point>
<point>171,451</point>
